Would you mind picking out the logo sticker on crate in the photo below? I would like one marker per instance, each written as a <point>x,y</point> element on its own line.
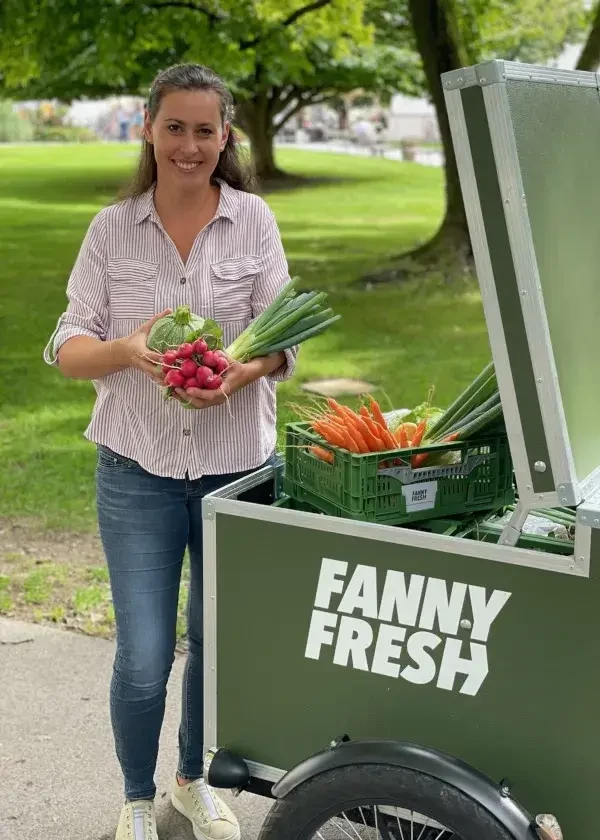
<point>420,496</point>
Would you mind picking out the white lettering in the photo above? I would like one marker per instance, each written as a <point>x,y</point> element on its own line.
<point>416,648</point>
<point>387,649</point>
<point>448,609</point>
<point>321,624</point>
<point>476,668</point>
<point>355,636</point>
<point>329,582</point>
<point>405,599</point>
<point>361,592</point>
<point>484,614</point>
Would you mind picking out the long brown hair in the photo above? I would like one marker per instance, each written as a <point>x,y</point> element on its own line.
<point>231,168</point>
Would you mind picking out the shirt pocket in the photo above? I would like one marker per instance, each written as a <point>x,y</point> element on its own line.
<point>132,288</point>
<point>232,283</point>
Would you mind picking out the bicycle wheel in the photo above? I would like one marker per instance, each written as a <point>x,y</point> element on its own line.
<point>379,802</point>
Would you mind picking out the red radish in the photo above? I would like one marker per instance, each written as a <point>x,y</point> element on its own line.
<point>202,375</point>
<point>185,351</point>
<point>174,378</point>
<point>190,383</point>
<point>213,382</point>
<point>200,346</point>
<point>210,358</point>
<point>167,368</point>
<point>170,357</point>
<point>222,364</point>
<point>189,368</point>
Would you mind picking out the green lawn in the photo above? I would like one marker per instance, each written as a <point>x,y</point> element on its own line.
<point>403,339</point>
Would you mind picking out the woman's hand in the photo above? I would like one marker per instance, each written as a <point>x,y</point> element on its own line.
<point>137,354</point>
<point>236,377</point>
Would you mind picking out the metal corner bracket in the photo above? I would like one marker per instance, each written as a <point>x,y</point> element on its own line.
<point>568,494</point>
<point>487,73</point>
<point>588,512</point>
<point>208,510</point>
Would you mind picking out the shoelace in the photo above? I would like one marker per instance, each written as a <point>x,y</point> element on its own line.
<point>200,787</point>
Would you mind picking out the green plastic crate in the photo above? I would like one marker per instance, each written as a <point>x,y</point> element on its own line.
<point>382,487</point>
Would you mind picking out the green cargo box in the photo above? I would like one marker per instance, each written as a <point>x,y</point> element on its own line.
<point>383,487</point>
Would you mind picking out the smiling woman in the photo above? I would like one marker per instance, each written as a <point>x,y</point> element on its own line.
<point>188,232</point>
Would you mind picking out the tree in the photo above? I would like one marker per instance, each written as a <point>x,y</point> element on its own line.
<point>278,55</point>
<point>590,54</point>
<point>448,35</point>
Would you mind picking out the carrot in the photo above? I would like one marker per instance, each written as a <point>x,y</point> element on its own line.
<point>323,454</point>
<point>388,439</point>
<point>374,443</point>
<point>418,460</point>
<point>373,427</point>
<point>418,435</point>
<point>402,437</point>
<point>377,413</point>
<point>330,434</point>
<point>349,442</point>
<point>336,407</point>
<point>357,437</point>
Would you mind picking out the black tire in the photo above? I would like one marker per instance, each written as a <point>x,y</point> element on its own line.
<point>303,811</point>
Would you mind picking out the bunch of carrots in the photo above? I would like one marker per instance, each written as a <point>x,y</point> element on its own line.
<point>362,432</point>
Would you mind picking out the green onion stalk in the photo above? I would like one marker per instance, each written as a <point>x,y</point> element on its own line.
<point>288,321</point>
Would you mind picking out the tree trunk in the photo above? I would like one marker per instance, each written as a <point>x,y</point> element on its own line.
<point>255,118</point>
<point>436,33</point>
<point>590,54</point>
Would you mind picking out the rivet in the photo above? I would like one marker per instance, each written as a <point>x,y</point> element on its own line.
<point>584,518</point>
<point>482,80</point>
<point>529,486</point>
<point>596,521</point>
<point>582,558</point>
<point>465,624</point>
<point>564,499</point>
<point>539,379</point>
<point>447,84</point>
<point>523,292</point>
<point>539,466</point>
<point>460,78</point>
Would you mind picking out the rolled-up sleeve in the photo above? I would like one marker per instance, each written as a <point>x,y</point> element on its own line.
<point>271,279</point>
<point>87,293</point>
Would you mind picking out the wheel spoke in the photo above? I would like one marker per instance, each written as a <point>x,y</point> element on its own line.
<point>384,830</point>
<point>351,826</point>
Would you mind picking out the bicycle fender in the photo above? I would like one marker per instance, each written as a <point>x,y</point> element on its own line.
<point>447,768</point>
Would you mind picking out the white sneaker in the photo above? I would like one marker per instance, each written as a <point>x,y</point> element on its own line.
<point>138,821</point>
<point>210,817</point>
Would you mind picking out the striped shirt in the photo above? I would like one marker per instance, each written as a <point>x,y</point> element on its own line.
<point>127,270</point>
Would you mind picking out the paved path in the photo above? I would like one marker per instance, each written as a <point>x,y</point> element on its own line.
<point>59,778</point>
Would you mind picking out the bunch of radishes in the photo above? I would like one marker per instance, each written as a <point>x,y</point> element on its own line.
<point>194,366</point>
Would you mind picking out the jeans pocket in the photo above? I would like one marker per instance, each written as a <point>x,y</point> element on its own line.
<point>112,460</point>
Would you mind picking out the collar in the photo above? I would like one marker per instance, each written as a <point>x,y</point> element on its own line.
<point>229,204</point>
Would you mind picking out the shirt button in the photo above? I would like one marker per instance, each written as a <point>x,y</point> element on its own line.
<point>187,432</point>
<point>182,281</point>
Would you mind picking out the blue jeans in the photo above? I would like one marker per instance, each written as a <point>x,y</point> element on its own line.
<point>146,522</point>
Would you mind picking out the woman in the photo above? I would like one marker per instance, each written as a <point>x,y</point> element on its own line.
<point>189,231</point>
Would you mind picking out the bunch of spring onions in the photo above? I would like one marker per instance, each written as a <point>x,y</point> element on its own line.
<point>291,319</point>
<point>476,409</point>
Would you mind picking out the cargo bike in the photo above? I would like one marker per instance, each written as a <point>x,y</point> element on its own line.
<point>376,666</point>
